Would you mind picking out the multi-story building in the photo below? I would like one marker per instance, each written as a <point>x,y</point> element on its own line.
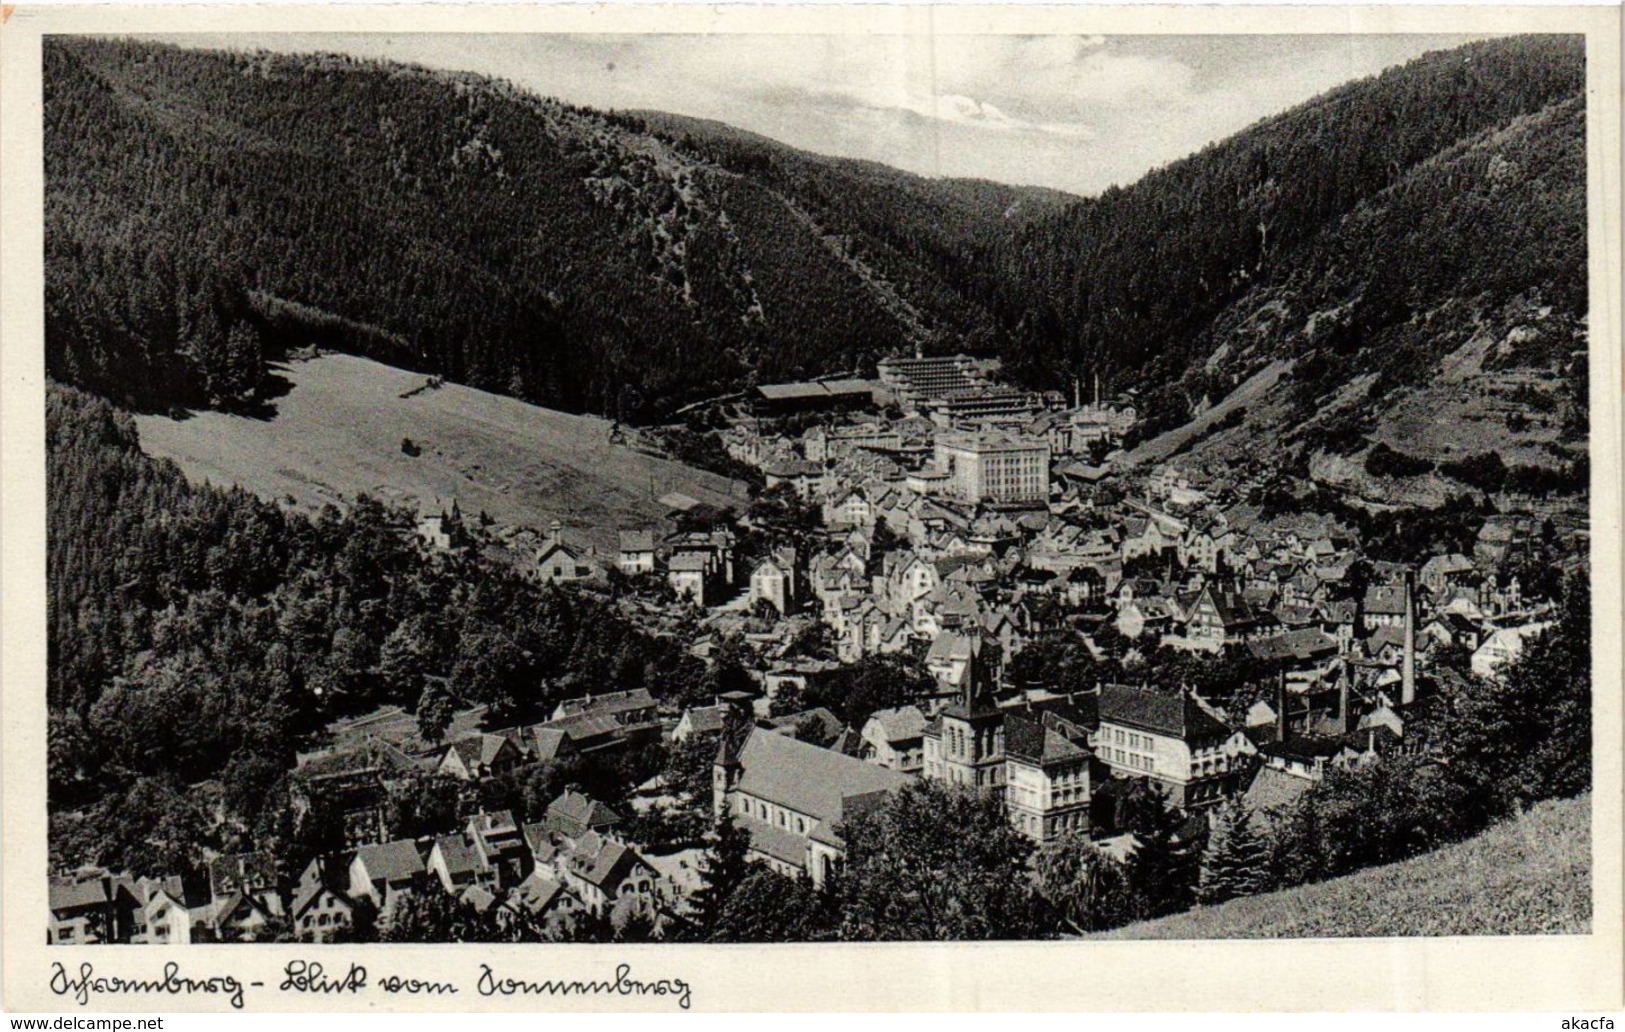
<point>1046,778</point>
<point>895,739</point>
<point>1221,618</point>
<point>994,468</point>
<point>1168,738</point>
<point>985,403</point>
<point>637,553</point>
<point>917,380</point>
<point>774,581</point>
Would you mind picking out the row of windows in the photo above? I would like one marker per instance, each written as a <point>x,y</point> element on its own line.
<point>1133,740</point>
<point>773,815</point>
<point>322,920</point>
<point>1137,761</point>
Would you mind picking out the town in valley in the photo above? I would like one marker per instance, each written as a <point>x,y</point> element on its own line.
<point>947,641</point>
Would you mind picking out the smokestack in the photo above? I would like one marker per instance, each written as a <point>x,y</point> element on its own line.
<point>1280,706</point>
<point>1077,393</point>
<point>1097,390</point>
<point>1407,669</point>
<point>1343,700</point>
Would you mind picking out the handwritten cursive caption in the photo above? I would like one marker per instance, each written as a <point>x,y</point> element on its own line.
<point>313,978</point>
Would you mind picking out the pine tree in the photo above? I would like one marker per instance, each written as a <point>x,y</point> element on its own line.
<point>724,868</point>
<point>1233,864</point>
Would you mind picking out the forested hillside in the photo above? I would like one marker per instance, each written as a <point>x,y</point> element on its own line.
<point>201,636</point>
<point>206,208</point>
<point>1421,229</point>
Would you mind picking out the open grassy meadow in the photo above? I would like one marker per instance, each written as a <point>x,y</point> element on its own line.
<point>338,431</point>
<point>1526,876</point>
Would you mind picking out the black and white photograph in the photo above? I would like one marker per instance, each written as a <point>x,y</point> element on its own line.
<point>790,488</point>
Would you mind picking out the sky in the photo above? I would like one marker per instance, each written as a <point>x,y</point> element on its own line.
<point>1075,113</point>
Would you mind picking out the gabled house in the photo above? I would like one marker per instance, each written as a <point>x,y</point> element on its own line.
<point>1219,619</point>
<point>320,911</point>
<point>1047,789</point>
<point>607,720</point>
<point>161,910</point>
<point>1503,647</point>
<point>895,739</point>
<point>457,864</point>
<point>384,872</point>
<point>496,839</point>
<point>245,884</point>
<point>545,898</point>
<point>849,507</point>
<point>637,552</point>
<point>82,910</point>
<point>558,561</point>
<point>573,814</point>
<point>602,871</point>
<point>702,721</point>
<point>1383,606</point>
<point>479,756</point>
<point>774,581</point>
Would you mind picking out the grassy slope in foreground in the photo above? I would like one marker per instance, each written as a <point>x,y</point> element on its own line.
<point>1526,876</point>
<point>338,433</point>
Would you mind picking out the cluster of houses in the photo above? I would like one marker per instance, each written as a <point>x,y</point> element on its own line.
<point>976,522</point>
<point>569,864</point>
<point>998,534</point>
<point>572,862</point>
<point>980,519</point>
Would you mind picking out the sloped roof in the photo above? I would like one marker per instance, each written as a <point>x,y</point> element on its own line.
<point>781,844</point>
<point>537,893</point>
<point>602,861</point>
<point>548,740</point>
<point>900,723</point>
<point>706,719</point>
<point>1176,715</point>
<point>607,702</point>
<point>1232,609</point>
<point>637,541</point>
<point>817,721</point>
<point>1272,791</point>
<point>67,894</point>
<point>391,861</point>
<point>950,647</point>
<point>366,755</point>
<point>312,891</point>
<point>458,856</point>
<point>807,778</point>
<point>1030,740</point>
<point>583,810</point>
<point>1385,600</point>
<point>254,870</point>
<point>1306,643</point>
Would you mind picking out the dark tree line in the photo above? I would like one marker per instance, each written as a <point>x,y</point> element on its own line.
<point>201,635</point>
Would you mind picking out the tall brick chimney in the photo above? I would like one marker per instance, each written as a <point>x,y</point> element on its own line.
<point>1407,669</point>
<point>1280,706</point>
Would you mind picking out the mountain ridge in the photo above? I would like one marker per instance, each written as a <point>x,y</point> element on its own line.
<point>627,263</point>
